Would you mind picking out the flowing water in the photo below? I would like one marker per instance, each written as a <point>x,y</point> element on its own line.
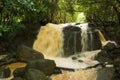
<point>102,38</point>
<point>84,37</point>
<point>50,42</point>
<point>84,40</point>
<point>50,39</point>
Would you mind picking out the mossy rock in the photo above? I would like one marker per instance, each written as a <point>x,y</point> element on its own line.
<point>26,54</point>
<point>34,74</point>
<point>45,65</point>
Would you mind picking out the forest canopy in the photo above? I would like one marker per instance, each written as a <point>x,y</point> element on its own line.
<point>14,14</point>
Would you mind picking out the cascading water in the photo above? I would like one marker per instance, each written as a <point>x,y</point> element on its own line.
<point>103,40</point>
<point>50,40</point>
<point>64,39</point>
<point>86,37</point>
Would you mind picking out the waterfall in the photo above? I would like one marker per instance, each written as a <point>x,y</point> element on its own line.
<point>64,39</point>
<point>84,40</point>
<point>50,40</point>
<point>84,37</point>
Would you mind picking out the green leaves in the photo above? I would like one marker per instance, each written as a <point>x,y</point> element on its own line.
<point>4,28</point>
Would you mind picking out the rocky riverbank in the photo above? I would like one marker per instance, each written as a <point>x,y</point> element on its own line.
<point>29,64</point>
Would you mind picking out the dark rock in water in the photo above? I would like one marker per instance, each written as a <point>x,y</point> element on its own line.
<point>106,73</point>
<point>74,58</point>
<point>17,78</point>
<point>45,65</point>
<point>72,40</point>
<point>19,72</point>
<point>96,43</point>
<point>109,46</point>
<point>4,73</point>
<point>57,71</point>
<point>34,74</point>
<point>26,54</point>
<point>103,56</point>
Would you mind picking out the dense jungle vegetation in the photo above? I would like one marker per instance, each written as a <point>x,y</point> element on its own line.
<point>18,14</point>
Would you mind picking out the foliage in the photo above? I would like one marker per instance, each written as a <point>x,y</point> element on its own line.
<point>101,10</point>
<point>14,13</point>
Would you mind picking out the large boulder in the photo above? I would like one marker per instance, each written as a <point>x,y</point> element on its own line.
<point>26,54</point>
<point>34,74</point>
<point>108,53</point>
<point>109,46</point>
<point>45,65</point>
<point>29,74</point>
<point>106,73</point>
<point>96,43</point>
<point>103,57</point>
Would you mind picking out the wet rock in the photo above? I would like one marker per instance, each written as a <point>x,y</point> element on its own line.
<point>96,43</point>
<point>34,74</point>
<point>26,54</point>
<point>45,65</point>
<point>17,78</point>
<point>72,35</point>
<point>4,73</point>
<point>103,56</point>
<point>74,58</point>
<point>19,72</point>
<point>106,73</point>
<point>109,46</point>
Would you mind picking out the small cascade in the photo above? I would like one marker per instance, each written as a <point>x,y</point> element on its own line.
<point>85,39</point>
<point>102,38</point>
